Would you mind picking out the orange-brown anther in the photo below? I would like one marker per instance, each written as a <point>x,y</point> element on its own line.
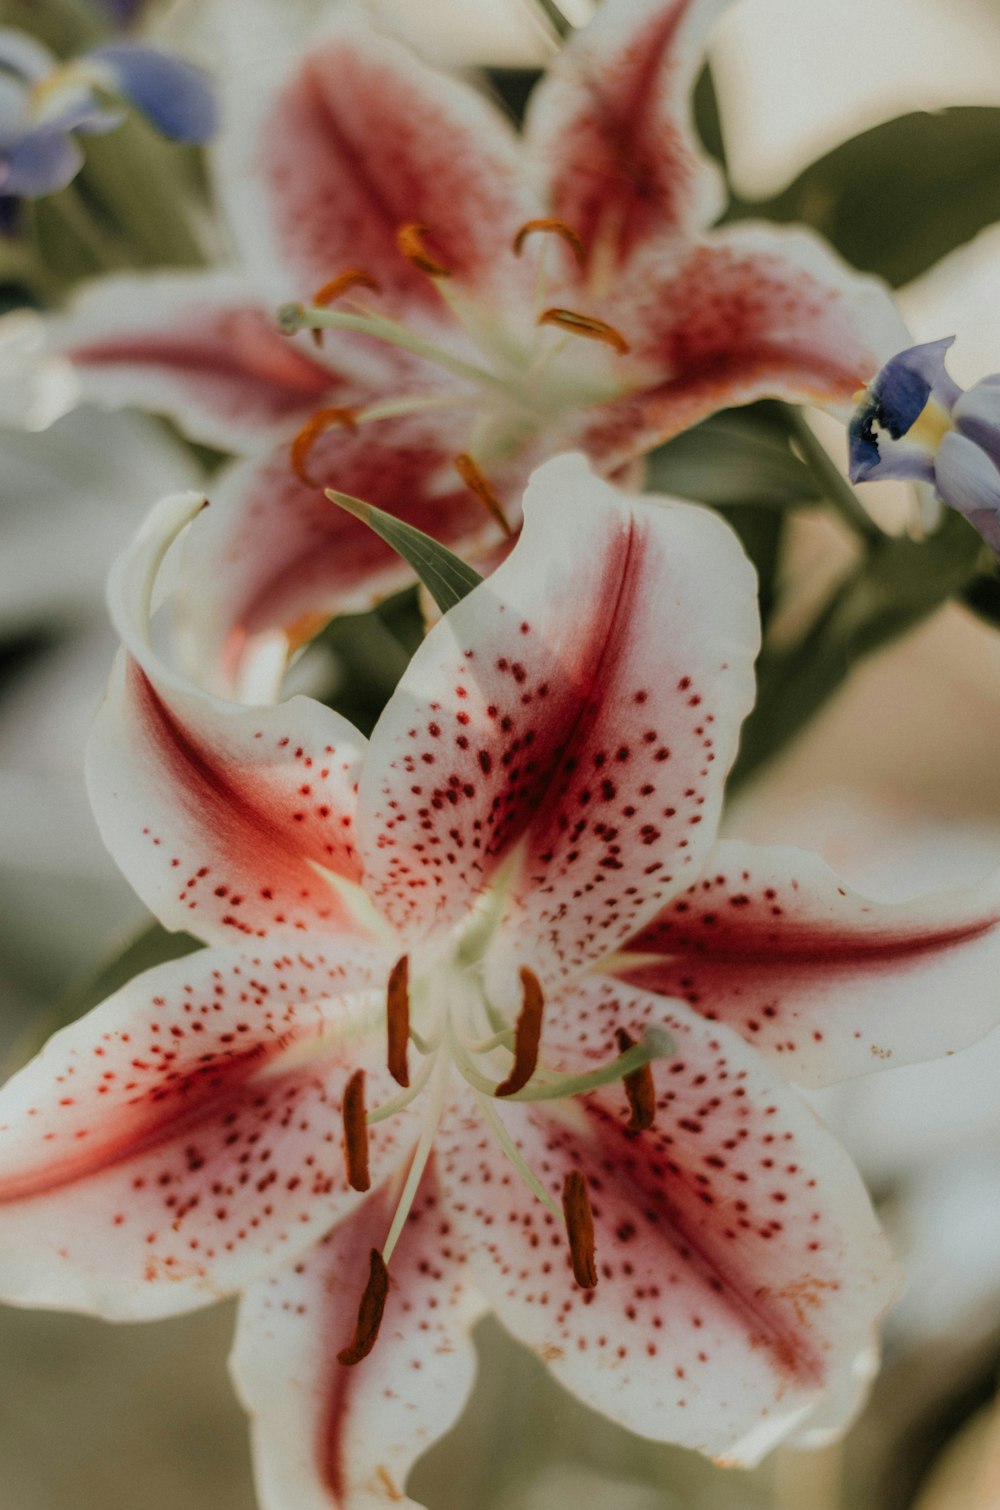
<point>410,240</point>
<point>580,1227</point>
<point>398,1020</point>
<point>351,277</point>
<point>356,1132</point>
<point>476,483</point>
<point>369,1312</point>
<point>527,1034</point>
<point>558,228</point>
<point>639,1089</point>
<point>310,433</point>
<point>585,325</point>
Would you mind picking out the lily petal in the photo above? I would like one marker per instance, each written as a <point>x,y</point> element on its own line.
<point>227,820</point>
<point>273,555</point>
<point>198,346</point>
<point>749,312</point>
<point>330,1437</point>
<point>611,128</point>
<point>578,711</point>
<point>186,1136</point>
<point>359,140</point>
<point>819,979</point>
<point>740,1267</point>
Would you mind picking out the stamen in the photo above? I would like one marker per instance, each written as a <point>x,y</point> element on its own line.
<point>369,1312</point>
<point>398,1020</point>
<point>559,227</point>
<point>310,433</point>
<point>352,277</point>
<point>527,1034</point>
<point>476,483</point>
<point>356,1132</point>
<point>639,1089</point>
<point>410,240</point>
<point>580,1228</point>
<point>585,325</point>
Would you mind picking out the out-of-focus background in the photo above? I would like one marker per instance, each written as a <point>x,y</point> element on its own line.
<point>897,782</point>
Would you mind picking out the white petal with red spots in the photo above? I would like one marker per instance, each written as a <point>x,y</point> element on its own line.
<point>740,1266</point>
<point>328,1436</point>
<point>576,714</point>
<point>824,982</point>
<point>186,1136</point>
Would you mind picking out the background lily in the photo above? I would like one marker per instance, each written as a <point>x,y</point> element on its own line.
<point>573,1105</point>
<point>914,421</point>
<point>481,300</point>
<point>43,101</point>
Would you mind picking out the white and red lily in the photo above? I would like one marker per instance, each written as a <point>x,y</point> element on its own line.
<point>489,300</point>
<point>573,1106</point>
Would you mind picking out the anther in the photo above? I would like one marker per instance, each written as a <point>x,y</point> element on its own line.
<point>398,1020</point>
<point>580,1227</point>
<point>352,277</point>
<point>527,1034</point>
<point>477,483</point>
<point>356,1132</point>
<point>310,433</point>
<point>559,228</point>
<point>410,241</point>
<point>639,1089</point>
<point>369,1312</point>
<point>585,325</point>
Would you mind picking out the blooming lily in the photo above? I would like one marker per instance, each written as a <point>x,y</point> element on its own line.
<point>478,301</point>
<point>913,421</point>
<point>44,101</point>
<point>487,1017</point>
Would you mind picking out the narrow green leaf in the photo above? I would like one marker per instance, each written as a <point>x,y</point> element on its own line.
<point>897,198</point>
<point>734,458</point>
<point>446,577</point>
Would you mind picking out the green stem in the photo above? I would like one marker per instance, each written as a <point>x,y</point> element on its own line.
<point>834,487</point>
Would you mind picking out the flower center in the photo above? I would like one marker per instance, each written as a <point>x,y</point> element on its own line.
<point>513,379</point>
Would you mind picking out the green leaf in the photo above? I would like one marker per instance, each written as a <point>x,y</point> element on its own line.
<point>735,458</point>
<point>446,577</point>
<point>897,198</point>
<point>900,583</point>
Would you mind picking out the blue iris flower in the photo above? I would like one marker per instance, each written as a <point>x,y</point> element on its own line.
<point>43,102</point>
<point>914,421</point>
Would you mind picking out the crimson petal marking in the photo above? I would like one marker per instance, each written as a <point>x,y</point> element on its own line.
<point>360,139</point>
<point>740,1266</point>
<point>581,707</point>
<point>747,312</point>
<point>273,555</point>
<point>201,347</point>
<point>186,1136</point>
<point>611,126</point>
<point>821,980</point>
<point>326,1436</point>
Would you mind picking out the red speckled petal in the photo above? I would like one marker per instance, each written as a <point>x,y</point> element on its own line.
<point>328,1437</point>
<point>272,555</point>
<point>823,981</point>
<point>358,139</point>
<point>186,1136</point>
<point>580,709</point>
<point>611,129</point>
<point>202,347</point>
<point>740,1265</point>
<point>229,821</point>
<point>748,312</point>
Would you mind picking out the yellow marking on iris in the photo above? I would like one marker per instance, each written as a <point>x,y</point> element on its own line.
<point>930,426</point>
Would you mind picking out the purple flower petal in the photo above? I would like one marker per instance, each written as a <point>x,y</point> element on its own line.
<point>175,96</point>
<point>894,401</point>
<point>968,481</point>
<point>977,415</point>
<point>41,162</point>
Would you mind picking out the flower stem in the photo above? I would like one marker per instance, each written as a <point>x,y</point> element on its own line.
<point>834,487</point>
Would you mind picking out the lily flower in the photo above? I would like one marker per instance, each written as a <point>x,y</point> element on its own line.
<point>913,421</point>
<point>43,101</point>
<point>477,301</point>
<point>487,1017</point>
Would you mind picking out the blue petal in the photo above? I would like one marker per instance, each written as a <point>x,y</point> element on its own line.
<point>968,481</point>
<point>24,56</point>
<point>902,388</point>
<point>177,97</point>
<point>41,162</point>
<point>122,12</point>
